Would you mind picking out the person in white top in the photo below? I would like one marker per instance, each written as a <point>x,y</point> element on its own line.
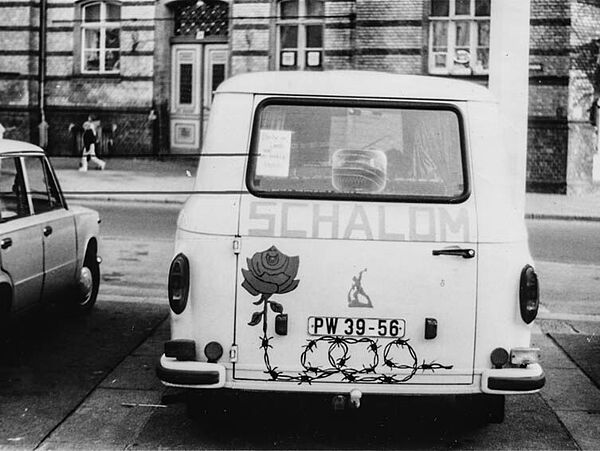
<point>89,147</point>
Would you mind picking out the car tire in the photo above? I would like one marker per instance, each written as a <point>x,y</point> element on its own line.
<point>87,284</point>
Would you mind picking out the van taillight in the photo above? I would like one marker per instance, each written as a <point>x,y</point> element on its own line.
<point>529,294</point>
<point>179,283</point>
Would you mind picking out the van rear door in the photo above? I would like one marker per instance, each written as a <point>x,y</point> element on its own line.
<point>358,245</point>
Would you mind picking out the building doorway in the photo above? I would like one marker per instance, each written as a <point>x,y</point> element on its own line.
<point>196,71</point>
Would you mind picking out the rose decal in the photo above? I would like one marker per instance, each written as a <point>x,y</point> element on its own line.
<point>270,272</point>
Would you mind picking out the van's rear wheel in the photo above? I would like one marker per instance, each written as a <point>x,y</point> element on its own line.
<point>494,408</point>
<point>210,406</point>
<point>483,408</point>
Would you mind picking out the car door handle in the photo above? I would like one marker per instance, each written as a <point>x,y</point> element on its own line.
<point>47,230</point>
<point>6,243</point>
<point>464,253</point>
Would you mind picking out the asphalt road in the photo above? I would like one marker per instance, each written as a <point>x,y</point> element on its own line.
<point>139,221</point>
<point>552,241</point>
<point>566,253</point>
<point>565,241</point>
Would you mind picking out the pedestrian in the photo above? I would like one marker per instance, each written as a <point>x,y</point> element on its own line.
<point>89,147</point>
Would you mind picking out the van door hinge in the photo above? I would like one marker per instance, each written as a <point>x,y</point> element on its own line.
<point>237,245</point>
<point>233,353</point>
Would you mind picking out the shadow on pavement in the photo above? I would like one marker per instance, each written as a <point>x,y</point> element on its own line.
<point>265,421</point>
<point>51,361</point>
<point>584,350</point>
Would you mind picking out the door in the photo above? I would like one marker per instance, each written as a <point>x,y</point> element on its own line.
<point>21,252</point>
<point>358,256</point>
<point>215,72</point>
<point>56,226</point>
<point>186,95</point>
<point>197,71</point>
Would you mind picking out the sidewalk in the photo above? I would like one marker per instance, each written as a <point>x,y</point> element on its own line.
<point>556,206</point>
<point>128,180</point>
<point>172,180</point>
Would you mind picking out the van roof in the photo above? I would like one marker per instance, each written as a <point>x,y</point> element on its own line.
<point>10,146</point>
<point>346,83</point>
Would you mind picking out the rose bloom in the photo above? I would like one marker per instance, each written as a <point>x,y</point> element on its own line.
<point>270,272</point>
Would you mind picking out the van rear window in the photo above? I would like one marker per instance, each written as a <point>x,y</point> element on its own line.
<point>348,151</point>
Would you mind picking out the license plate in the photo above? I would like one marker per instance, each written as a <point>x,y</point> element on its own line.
<point>356,327</point>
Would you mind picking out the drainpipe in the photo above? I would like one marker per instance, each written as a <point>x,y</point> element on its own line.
<point>43,125</point>
<point>596,155</point>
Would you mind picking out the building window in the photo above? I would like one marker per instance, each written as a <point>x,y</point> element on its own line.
<point>201,19</point>
<point>100,41</point>
<point>459,37</point>
<point>300,34</point>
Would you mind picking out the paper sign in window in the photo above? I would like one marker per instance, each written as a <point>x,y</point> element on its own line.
<point>313,59</point>
<point>274,153</point>
<point>288,59</point>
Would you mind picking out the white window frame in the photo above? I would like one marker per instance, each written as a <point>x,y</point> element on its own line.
<point>302,22</point>
<point>452,67</point>
<point>102,25</point>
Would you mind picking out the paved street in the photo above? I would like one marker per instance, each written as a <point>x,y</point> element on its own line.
<point>51,363</point>
<point>89,383</point>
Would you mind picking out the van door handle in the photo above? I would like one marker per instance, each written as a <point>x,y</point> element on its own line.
<point>47,230</point>
<point>6,243</point>
<point>464,253</point>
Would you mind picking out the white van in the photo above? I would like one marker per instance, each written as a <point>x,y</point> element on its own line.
<point>353,233</point>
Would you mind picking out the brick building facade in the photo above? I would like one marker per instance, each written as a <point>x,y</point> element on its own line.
<point>146,68</point>
<point>92,64</point>
<point>564,81</point>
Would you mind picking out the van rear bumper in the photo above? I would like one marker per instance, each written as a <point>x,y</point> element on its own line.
<point>175,373</point>
<point>193,374</point>
<point>513,380</point>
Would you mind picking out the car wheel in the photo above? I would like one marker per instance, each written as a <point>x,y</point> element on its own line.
<point>88,282</point>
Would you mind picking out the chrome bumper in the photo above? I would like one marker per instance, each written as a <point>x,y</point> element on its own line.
<point>175,373</point>
<point>513,380</point>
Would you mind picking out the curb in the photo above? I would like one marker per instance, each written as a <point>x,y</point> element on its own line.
<point>127,200</point>
<point>543,216</point>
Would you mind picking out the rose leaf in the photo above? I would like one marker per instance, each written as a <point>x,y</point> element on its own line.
<point>256,318</point>
<point>276,307</point>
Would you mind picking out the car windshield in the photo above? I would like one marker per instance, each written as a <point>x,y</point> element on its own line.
<point>329,151</point>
